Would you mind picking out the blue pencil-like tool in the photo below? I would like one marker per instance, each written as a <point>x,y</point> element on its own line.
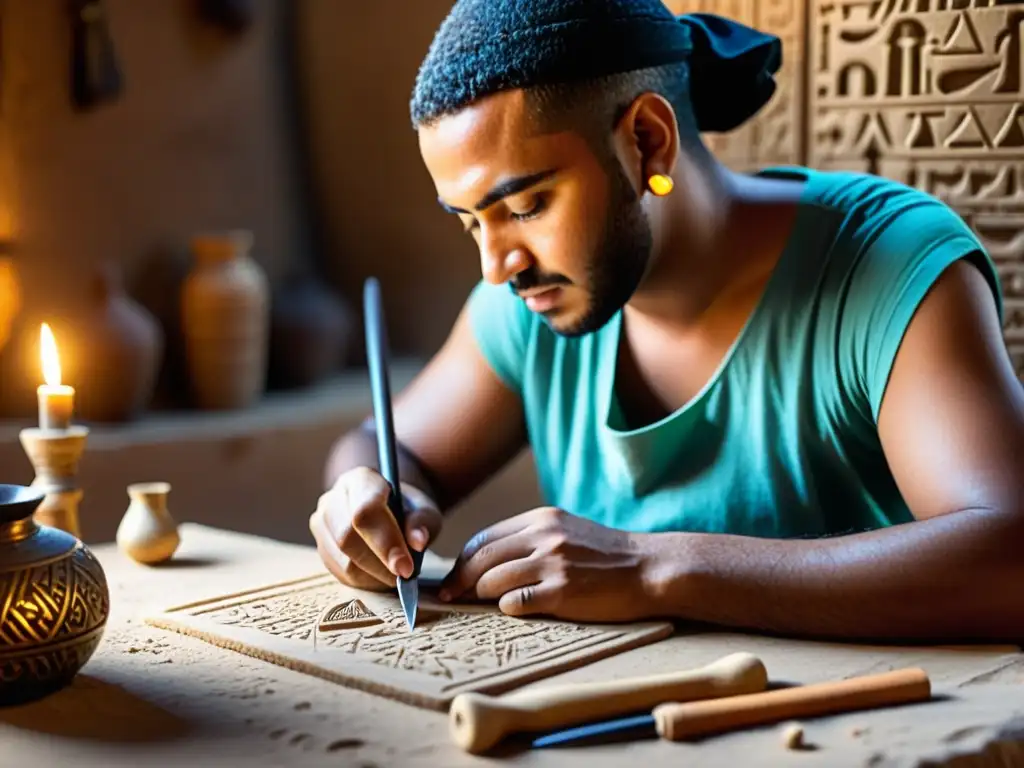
<point>387,451</point>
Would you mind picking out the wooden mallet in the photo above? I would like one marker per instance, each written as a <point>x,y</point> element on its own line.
<point>477,722</point>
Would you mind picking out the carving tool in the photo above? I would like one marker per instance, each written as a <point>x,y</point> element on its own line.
<point>387,451</point>
<point>681,721</point>
<point>477,722</point>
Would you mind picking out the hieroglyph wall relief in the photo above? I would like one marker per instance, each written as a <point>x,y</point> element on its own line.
<point>927,92</point>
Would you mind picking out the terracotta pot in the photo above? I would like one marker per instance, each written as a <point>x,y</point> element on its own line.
<point>10,309</point>
<point>10,299</point>
<point>20,372</point>
<point>310,332</point>
<point>116,353</point>
<point>225,318</point>
<point>54,601</point>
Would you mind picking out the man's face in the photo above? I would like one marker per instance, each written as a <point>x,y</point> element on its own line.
<point>562,226</point>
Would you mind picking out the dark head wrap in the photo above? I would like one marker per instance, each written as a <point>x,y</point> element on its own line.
<point>487,46</point>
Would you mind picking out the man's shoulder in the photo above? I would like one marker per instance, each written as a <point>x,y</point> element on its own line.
<point>890,244</point>
<point>867,205</point>
<point>885,233</point>
<point>875,230</point>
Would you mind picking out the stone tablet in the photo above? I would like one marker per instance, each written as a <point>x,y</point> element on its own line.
<point>359,639</point>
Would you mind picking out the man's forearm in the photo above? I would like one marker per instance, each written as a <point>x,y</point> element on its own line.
<point>359,449</point>
<point>957,576</point>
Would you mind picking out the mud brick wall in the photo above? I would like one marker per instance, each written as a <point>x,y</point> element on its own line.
<point>926,92</point>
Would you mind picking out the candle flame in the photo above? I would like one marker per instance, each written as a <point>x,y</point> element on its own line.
<point>51,360</point>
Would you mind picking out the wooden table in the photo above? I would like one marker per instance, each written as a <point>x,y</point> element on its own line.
<point>150,697</point>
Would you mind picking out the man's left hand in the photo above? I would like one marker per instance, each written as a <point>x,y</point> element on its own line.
<point>550,562</point>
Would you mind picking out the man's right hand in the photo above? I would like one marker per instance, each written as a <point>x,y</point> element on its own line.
<point>356,533</point>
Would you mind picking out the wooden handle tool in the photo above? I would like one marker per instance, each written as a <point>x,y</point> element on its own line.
<point>681,721</point>
<point>477,722</point>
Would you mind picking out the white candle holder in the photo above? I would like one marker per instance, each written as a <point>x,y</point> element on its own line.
<point>55,454</point>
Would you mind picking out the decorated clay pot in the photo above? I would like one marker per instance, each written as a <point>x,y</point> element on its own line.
<point>148,533</point>
<point>120,349</point>
<point>54,601</point>
<point>225,317</point>
<point>310,332</point>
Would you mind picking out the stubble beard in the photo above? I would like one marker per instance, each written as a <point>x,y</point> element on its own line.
<point>621,260</point>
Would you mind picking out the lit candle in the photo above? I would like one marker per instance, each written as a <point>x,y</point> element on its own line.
<point>56,400</point>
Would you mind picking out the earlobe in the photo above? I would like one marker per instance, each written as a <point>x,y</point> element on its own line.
<point>647,144</point>
<point>656,133</point>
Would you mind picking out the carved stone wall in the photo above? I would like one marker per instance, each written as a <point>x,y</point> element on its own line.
<point>776,135</point>
<point>927,92</point>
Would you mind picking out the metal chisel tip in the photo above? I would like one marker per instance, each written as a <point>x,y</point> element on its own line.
<point>409,596</point>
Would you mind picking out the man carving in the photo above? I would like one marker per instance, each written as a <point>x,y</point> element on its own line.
<point>776,401</point>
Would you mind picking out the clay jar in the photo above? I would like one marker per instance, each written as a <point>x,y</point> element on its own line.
<point>225,316</point>
<point>148,533</point>
<point>119,346</point>
<point>310,332</point>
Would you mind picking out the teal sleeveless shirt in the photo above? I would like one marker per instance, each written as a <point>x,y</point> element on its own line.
<point>782,441</point>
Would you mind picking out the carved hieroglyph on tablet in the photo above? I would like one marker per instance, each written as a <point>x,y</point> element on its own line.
<point>361,640</point>
<point>349,614</point>
<point>930,93</point>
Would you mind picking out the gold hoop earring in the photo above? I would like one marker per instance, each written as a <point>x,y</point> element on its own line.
<point>660,184</point>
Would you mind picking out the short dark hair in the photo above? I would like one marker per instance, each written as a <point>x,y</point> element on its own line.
<point>484,47</point>
<point>590,59</point>
<point>594,107</point>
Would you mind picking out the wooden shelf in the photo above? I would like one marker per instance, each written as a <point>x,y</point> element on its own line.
<point>343,397</point>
